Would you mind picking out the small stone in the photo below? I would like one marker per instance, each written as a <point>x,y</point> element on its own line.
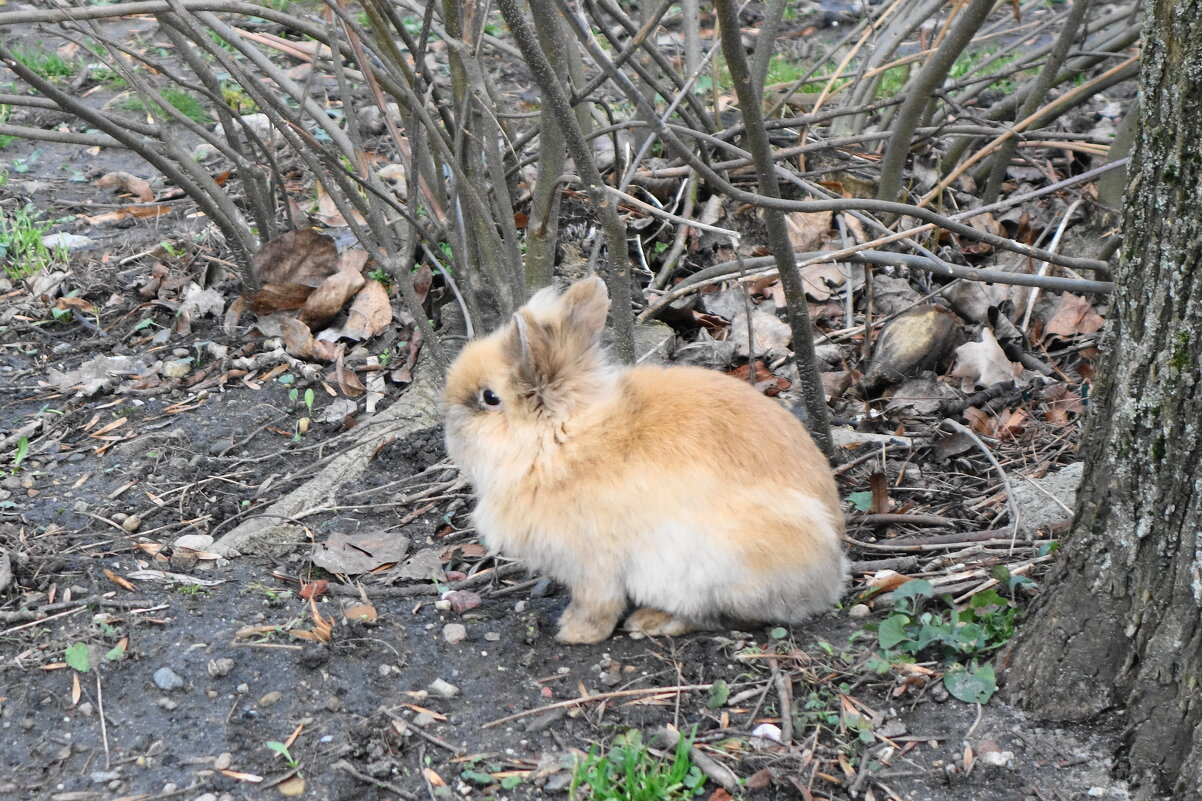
<point>271,698</point>
<point>424,719</point>
<point>442,605</point>
<point>206,797</point>
<point>996,759</point>
<point>462,600</point>
<point>86,709</point>
<point>217,447</point>
<point>167,679</point>
<point>223,760</point>
<point>176,368</point>
<point>243,688</point>
<point>169,788</point>
<point>180,353</point>
<point>454,633</point>
<point>492,636</point>
<point>443,689</point>
<point>168,704</point>
<point>197,542</point>
<point>67,241</point>
<point>542,589</point>
<point>520,606</point>
<point>80,507</point>
<point>220,667</point>
<point>859,610</point>
<point>132,523</point>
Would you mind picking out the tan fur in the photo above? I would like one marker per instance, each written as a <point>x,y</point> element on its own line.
<point>680,489</point>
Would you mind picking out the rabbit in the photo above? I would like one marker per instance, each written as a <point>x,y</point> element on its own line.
<point>680,489</point>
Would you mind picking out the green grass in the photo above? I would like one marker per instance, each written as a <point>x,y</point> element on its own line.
<point>6,112</point>
<point>187,104</point>
<point>45,63</point>
<point>21,248</point>
<point>630,772</point>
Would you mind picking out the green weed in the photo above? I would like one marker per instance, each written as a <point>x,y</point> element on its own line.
<point>630,772</point>
<point>48,64</point>
<point>6,112</point>
<point>21,248</point>
<point>183,102</point>
<point>962,640</point>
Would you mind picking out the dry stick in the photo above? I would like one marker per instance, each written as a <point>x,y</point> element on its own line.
<point>963,429</point>
<point>718,773</point>
<point>778,233</point>
<point>1053,245</point>
<point>345,767</point>
<point>1117,72</point>
<point>784,692</point>
<point>1043,83</point>
<point>556,100</point>
<point>104,732</point>
<point>920,92</point>
<point>585,699</point>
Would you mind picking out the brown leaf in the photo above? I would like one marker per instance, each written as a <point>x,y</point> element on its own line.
<point>364,612</point>
<point>120,581</point>
<point>914,341</point>
<point>1074,316</point>
<point>348,380</point>
<point>353,554</point>
<point>273,297</point>
<point>822,280</point>
<point>299,257</point>
<point>333,293</point>
<point>327,210</point>
<point>808,230</point>
<point>370,314</point>
<point>300,343</point>
<point>314,589</point>
<point>138,187</point>
<point>421,282</point>
<point>138,212</point>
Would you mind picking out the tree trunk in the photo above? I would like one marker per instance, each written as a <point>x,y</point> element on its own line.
<point>1118,627</point>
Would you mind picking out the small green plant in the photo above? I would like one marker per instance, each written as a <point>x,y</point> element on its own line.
<point>82,657</point>
<point>189,589</point>
<point>181,101</point>
<point>44,62</point>
<point>283,751</point>
<point>630,772</point>
<point>6,111</point>
<point>21,452</point>
<point>380,275</point>
<point>961,639</point>
<point>22,250</point>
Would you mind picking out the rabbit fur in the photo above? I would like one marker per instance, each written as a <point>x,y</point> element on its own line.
<point>678,488</point>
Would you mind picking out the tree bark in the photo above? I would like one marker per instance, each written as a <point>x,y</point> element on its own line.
<point>1118,627</point>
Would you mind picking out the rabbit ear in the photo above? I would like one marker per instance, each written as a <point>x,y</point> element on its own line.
<point>583,308</point>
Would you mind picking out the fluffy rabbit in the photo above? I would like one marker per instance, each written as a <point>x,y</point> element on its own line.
<point>678,488</point>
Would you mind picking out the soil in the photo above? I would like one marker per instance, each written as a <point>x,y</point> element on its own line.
<point>188,683</point>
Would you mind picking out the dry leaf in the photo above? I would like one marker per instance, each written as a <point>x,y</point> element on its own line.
<point>983,363</point>
<point>327,210</point>
<point>808,230</point>
<point>329,298</point>
<point>768,332</point>
<point>348,381</point>
<point>370,314</point>
<point>1074,316</point>
<point>274,297</point>
<point>352,554</point>
<point>138,187</point>
<point>293,785</point>
<point>120,581</point>
<point>299,257</point>
<point>314,589</point>
<point>299,342</point>
<point>364,612</point>
<point>822,280</point>
<point>137,212</point>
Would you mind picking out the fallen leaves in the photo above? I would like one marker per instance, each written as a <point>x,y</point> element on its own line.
<point>983,363</point>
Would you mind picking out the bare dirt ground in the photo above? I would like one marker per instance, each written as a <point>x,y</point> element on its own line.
<point>136,665</point>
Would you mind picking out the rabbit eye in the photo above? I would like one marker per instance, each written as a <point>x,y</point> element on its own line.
<point>490,398</point>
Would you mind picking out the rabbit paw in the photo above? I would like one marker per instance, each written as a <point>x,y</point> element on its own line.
<point>648,622</point>
<point>581,624</point>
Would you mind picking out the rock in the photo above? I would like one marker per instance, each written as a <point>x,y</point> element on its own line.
<point>167,679</point>
<point>859,610</point>
<point>132,523</point>
<point>220,667</point>
<point>541,589</point>
<point>454,633</point>
<point>492,636</point>
<point>996,759</point>
<point>68,241</point>
<point>462,600</point>
<point>197,542</point>
<point>443,689</point>
<point>424,719</point>
<point>218,446</point>
<point>176,368</point>
<point>1046,502</point>
<point>271,698</point>
<point>86,709</point>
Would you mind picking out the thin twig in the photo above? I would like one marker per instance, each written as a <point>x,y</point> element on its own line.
<point>587,699</point>
<point>963,429</point>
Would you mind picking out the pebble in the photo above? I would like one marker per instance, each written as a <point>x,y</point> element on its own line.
<point>131,523</point>
<point>167,679</point>
<point>443,689</point>
<point>67,241</point>
<point>271,698</point>
<point>86,709</point>
<point>206,797</point>
<point>520,606</point>
<point>243,688</point>
<point>462,600</point>
<point>542,589</point>
<point>176,368</point>
<point>454,633</point>
<point>492,636</point>
<point>197,542</point>
<point>220,445</point>
<point>997,759</point>
<point>101,776</point>
<point>168,704</point>
<point>220,667</point>
<point>223,760</point>
<point>180,353</point>
<point>859,610</point>
<point>424,719</point>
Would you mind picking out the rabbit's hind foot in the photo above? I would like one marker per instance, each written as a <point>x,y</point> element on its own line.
<point>648,622</point>
<point>583,623</point>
